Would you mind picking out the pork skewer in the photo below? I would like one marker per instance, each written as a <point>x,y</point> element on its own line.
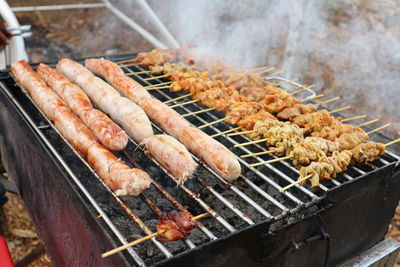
<point>106,131</point>
<point>116,174</point>
<point>171,227</point>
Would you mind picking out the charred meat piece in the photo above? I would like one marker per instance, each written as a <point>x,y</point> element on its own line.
<point>175,226</point>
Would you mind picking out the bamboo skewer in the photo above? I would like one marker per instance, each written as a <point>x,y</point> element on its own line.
<point>269,161</point>
<point>367,122</point>
<point>197,112</point>
<point>251,142</point>
<point>211,123</point>
<point>302,89</point>
<point>392,142</point>
<point>295,183</point>
<point>328,101</point>
<point>272,74</point>
<point>313,97</point>
<point>129,65</point>
<point>354,118</point>
<point>138,241</point>
<point>159,84</point>
<point>158,87</point>
<point>256,154</point>
<point>265,70</point>
<point>292,88</point>
<point>285,82</point>
<point>378,129</point>
<point>225,132</point>
<point>244,132</point>
<point>124,61</point>
<point>177,98</point>
<point>138,72</point>
<point>339,109</point>
<point>157,77</point>
<point>184,103</point>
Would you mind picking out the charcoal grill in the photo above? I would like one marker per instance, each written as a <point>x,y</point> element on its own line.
<point>250,221</point>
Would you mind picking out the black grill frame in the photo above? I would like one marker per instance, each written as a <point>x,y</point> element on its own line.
<point>260,238</point>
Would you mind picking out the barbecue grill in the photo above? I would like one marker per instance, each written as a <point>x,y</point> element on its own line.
<point>250,222</point>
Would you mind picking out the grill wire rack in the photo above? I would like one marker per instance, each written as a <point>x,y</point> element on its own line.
<point>253,199</point>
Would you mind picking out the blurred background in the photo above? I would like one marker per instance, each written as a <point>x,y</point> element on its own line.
<point>348,48</point>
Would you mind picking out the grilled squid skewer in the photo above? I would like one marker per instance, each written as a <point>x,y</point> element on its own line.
<point>108,133</point>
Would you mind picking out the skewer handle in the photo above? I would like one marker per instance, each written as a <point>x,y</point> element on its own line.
<point>140,240</point>
<point>295,183</point>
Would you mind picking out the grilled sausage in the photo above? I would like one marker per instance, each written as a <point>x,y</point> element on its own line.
<point>168,119</point>
<point>165,117</point>
<point>118,176</point>
<point>108,133</point>
<point>53,107</point>
<point>132,118</point>
<point>217,156</point>
<point>113,74</point>
<point>172,154</point>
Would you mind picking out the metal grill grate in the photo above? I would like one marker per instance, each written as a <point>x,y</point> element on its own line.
<point>254,198</point>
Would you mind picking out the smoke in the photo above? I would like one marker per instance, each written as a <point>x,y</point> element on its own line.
<point>348,48</point>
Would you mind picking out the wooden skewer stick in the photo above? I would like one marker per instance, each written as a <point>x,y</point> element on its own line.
<point>269,161</point>
<point>251,142</point>
<point>197,112</point>
<point>285,82</point>
<point>157,77</point>
<point>124,61</point>
<point>292,88</point>
<point>313,97</point>
<point>184,103</point>
<point>257,154</point>
<point>297,182</point>
<point>367,122</point>
<point>158,87</point>
<point>138,241</point>
<point>339,109</point>
<point>177,98</point>
<point>211,123</point>
<point>159,84</point>
<point>392,142</point>
<point>354,118</point>
<point>273,74</point>
<point>303,89</point>
<point>260,68</point>
<point>244,132</point>
<point>328,101</point>
<point>265,70</point>
<point>378,129</point>
<point>138,72</point>
<point>225,132</point>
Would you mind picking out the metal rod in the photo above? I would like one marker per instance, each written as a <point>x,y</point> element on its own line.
<point>147,35</point>
<point>157,22</point>
<point>57,7</point>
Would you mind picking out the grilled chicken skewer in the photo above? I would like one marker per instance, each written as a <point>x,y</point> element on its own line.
<point>122,179</point>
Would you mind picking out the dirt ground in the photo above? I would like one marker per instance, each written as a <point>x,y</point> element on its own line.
<point>78,33</point>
